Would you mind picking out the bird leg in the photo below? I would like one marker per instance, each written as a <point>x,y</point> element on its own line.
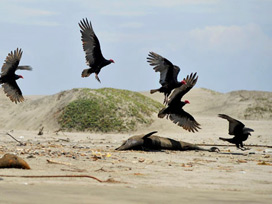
<point>165,100</point>
<point>97,78</point>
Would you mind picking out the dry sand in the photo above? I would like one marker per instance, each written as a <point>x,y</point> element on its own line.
<point>136,177</point>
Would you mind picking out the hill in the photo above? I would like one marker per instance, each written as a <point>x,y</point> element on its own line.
<point>102,110</point>
<point>108,109</point>
<point>253,105</point>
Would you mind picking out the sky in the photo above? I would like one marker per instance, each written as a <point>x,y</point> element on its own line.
<point>227,42</point>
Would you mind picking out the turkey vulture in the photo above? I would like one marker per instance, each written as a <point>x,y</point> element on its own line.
<point>237,129</point>
<point>8,77</point>
<point>91,47</point>
<point>168,74</point>
<point>174,109</point>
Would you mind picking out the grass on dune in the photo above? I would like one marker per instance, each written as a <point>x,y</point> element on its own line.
<point>108,110</point>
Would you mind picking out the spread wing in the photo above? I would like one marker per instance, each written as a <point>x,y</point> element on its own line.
<point>90,42</point>
<point>235,126</point>
<point>11,63</point>
<point>168,72</point>
<point>13,91</point>
<point>180,91</point>
<point>185,120</point>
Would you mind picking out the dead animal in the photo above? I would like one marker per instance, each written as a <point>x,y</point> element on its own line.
<point>13,161</point>
<point>153,142</point>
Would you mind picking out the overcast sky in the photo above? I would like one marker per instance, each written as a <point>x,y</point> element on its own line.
<point>228,42</point>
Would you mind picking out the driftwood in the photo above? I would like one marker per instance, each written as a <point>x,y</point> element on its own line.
<point>57,176</point>
<point>41,131</point>
<point>56,162</point>
<point>21,144</point>
<point>229,145</point>
<point>110,180</point>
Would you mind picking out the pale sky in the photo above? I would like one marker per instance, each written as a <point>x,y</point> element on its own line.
<point>228,42</point>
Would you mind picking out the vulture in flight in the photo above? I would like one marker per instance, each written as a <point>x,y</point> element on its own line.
<point>168,74</point>
<point>8,77</point>
<point>237,129</point>
<point>174,110</point>
<point>91,47</point>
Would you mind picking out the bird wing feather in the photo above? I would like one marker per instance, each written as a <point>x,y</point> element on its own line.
<point>180,91</point>
<point>90,42</point>
<point>13,91</point>
<point>235,126</point>
<point>167,70</point>
<point>11,63</point>
<point>185,120</point>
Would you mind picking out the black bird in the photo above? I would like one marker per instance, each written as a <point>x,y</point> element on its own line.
<point>91,47</point>
<point>237,129</point>
<point>8,77</point>
<point>174,109</point>
<point>168,74</point>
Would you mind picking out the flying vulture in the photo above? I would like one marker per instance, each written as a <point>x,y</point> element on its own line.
<point>174,110</point>
<point>168,74</point>
<point>91,47</point>
<point>237,129</point>
<point>8,77</point>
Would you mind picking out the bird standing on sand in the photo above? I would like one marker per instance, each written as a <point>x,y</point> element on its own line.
<point>8,77</point>
<point>237,129</point>
<point>174,106</point>
<point>91,47</point>
<point>168,74</point>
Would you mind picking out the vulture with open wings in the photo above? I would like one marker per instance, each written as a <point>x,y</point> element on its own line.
<point>237,129</point>
<point>174,110</point>
<point>8,77</point>
<point>91,47</point>
<point>168,74</point>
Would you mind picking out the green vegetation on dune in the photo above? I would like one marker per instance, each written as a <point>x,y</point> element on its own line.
<point>108,110</point>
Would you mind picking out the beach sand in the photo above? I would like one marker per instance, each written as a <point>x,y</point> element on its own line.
<point>134,176</point>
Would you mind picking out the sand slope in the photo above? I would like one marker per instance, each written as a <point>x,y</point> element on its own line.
<point>39,111</point>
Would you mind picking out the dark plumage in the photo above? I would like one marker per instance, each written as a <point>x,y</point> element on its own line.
<point>91,47</point>
<point>168,74</point>
<point>8,77</point>
<point>237,129</point>
<point>174,109</point>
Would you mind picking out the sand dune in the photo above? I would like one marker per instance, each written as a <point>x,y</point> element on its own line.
<point>39,111</point>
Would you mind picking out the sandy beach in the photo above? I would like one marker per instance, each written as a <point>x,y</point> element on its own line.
<point>135,176</point>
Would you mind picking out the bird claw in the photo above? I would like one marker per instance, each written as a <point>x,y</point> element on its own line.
<point>165,100</point>
<point>97,78</point>
<point>243,148</point>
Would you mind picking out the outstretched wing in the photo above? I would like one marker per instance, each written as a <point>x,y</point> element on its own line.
<point>13,91</point>
<point>235,126</point>
<point>90,42</point>
<point>180,91</point>
<point>11,63</point>
<point>168,72</point>
<point>185,120</point>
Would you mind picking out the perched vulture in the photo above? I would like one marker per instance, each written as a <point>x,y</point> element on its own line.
<point>8,77</point>
<point>237,129</point>
<point>174,106</point>
<point>168,74</point>
<point>91,47</point>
